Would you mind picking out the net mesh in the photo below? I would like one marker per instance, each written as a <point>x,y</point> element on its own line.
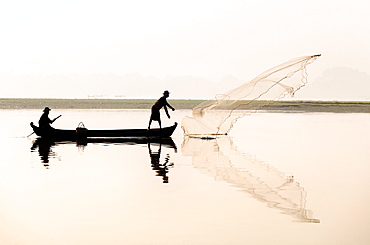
<point>217,116</point>
<point>220,159</point>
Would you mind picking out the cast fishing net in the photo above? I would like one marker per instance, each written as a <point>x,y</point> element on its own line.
<point>217,116</point>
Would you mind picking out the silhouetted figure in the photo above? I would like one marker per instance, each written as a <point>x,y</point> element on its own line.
<point>162,102</point>
<point>45,121</point>
<point>44,149</point>
<point>161,169</point>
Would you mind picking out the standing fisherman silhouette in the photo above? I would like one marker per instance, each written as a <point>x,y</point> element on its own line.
<point>161,102</point>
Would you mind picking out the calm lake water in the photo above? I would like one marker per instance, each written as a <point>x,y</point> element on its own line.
<point>278,178</point>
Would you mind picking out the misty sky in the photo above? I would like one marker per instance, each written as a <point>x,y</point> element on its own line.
<point>193,48</point>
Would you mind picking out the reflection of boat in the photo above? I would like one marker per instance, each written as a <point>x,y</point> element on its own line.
<point>45,143</point>
<point>167,142</point>
<point>45,146</point>
<point>220,159</point>
<point>82,133</point>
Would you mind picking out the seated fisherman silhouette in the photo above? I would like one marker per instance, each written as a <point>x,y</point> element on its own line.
<point>161,102</point>
<point>45,121</point>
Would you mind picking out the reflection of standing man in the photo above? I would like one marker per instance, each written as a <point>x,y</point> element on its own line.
<point>162,102</point>
<point>161,169</point>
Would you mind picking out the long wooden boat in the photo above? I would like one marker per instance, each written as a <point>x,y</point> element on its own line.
<point>83,133</point>
<point>50,142</point>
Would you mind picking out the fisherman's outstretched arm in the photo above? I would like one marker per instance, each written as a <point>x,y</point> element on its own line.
<point>170,106</point>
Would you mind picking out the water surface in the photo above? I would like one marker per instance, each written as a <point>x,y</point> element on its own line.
<point>278,178</point>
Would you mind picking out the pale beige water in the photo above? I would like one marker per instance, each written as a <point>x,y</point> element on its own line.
<point>270,182</point>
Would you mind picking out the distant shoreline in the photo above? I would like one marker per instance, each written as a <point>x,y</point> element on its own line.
<point>278,106</point>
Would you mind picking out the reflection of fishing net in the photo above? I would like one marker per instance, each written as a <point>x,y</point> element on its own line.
<point>220,159</point>
<point>217,116</point>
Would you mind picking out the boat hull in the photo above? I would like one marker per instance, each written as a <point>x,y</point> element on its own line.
<point>83,133</point>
